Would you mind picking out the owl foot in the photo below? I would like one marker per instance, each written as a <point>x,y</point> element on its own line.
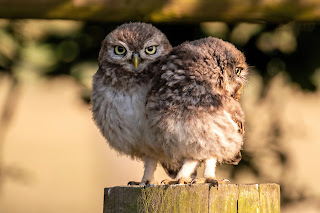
<point>213,181</point>
<point>205,180</point>
<point>143,183</point>
<point>182,180</point>
<point>224,181</point>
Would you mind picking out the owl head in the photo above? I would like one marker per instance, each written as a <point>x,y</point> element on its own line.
<point>131,47</point>
<point>233,68</point>
<point>216,63</point>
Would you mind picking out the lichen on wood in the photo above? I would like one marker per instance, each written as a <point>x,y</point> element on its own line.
<point>194,198</point>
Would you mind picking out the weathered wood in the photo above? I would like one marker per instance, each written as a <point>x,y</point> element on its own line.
<point>183,198</point>
<point>231,198</point>
<point>163,10</point>
<point>223,198</point>
<point>248,198</point>
<point>269,198</point>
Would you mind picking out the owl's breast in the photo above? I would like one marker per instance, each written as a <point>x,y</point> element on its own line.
<point>120,116</point>
<point>197,134</point>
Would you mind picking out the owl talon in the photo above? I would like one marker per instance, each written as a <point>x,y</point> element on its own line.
<point>224,181</point>
<point>177,181</point>
<point>212,181</point>
<point>151,183</point>
<point>167,182</point>
<point>143,183</point>
<point>205,180</point>
<point>133,183</point>
<point>184,180</point>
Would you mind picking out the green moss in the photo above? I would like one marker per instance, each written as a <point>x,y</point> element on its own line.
<point>173,199</point>
<point>195,198</point>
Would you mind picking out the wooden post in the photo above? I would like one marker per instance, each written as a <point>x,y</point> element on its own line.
<point>233,198</point>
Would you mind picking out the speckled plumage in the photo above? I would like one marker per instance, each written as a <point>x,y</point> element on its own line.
<point>193,108</point>
<point>120,88</point>
<point>179,108</point>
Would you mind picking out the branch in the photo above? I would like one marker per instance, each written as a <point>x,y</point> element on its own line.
<point>163,10</point>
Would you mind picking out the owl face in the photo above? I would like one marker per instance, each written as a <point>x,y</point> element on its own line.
<point>133,47</point>
<point>220,63</point>
<point>236,73</point>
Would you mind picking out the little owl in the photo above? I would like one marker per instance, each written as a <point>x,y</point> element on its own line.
<point>178,107</point>
<point>120,88</point>
<point>193,108</point>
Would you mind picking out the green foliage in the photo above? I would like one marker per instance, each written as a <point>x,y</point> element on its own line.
<point>49,49</point>
<point>55,48</point>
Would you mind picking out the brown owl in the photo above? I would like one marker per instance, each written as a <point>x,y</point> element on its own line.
<point>193,109</point>
<point>120,88</point>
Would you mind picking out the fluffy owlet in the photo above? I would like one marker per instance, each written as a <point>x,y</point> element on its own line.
<point>120,87</point>
<point>193,108</point>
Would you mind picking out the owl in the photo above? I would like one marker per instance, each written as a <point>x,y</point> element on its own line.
<point>193,108</point>
<point>120,87</point>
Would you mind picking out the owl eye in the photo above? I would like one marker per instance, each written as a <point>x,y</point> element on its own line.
<point>151,50</point>
<point>238,70</point>
<point>119,50</point>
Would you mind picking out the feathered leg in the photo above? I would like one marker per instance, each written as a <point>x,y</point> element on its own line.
<point>210,168</point>
<point>183,176</point>
<point>209,172</point>
<point>150,166</point>
<point>209,175</point>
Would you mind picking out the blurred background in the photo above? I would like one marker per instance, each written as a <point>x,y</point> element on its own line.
<point>54,159</point>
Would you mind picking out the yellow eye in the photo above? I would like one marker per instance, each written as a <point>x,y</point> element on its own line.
<point>151,50</point>
<point>238,70</point>
<point>119,50</point>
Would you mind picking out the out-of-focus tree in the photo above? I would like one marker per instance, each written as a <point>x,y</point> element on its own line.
<point>50,49</point>
<point>163,10</point>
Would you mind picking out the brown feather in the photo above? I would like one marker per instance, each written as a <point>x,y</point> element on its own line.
<point>193,93</point>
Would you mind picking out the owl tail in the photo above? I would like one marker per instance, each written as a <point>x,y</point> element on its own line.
<point>173,168</point>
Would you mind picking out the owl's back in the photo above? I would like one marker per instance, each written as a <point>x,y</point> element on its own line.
<point>190,113</point>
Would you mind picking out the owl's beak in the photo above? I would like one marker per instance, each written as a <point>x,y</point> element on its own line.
<point>136,59</point>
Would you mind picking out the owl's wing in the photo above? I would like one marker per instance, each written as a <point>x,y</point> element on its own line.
<point>179,91</point>
<point>237,158</point>
<point>238,118</point>
<point>240,124</point>
<point>175,85</point>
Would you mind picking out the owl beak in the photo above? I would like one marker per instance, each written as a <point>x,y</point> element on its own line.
<point>136,60</point>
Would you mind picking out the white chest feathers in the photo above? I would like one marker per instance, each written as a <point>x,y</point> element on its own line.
<point>120,115</point>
